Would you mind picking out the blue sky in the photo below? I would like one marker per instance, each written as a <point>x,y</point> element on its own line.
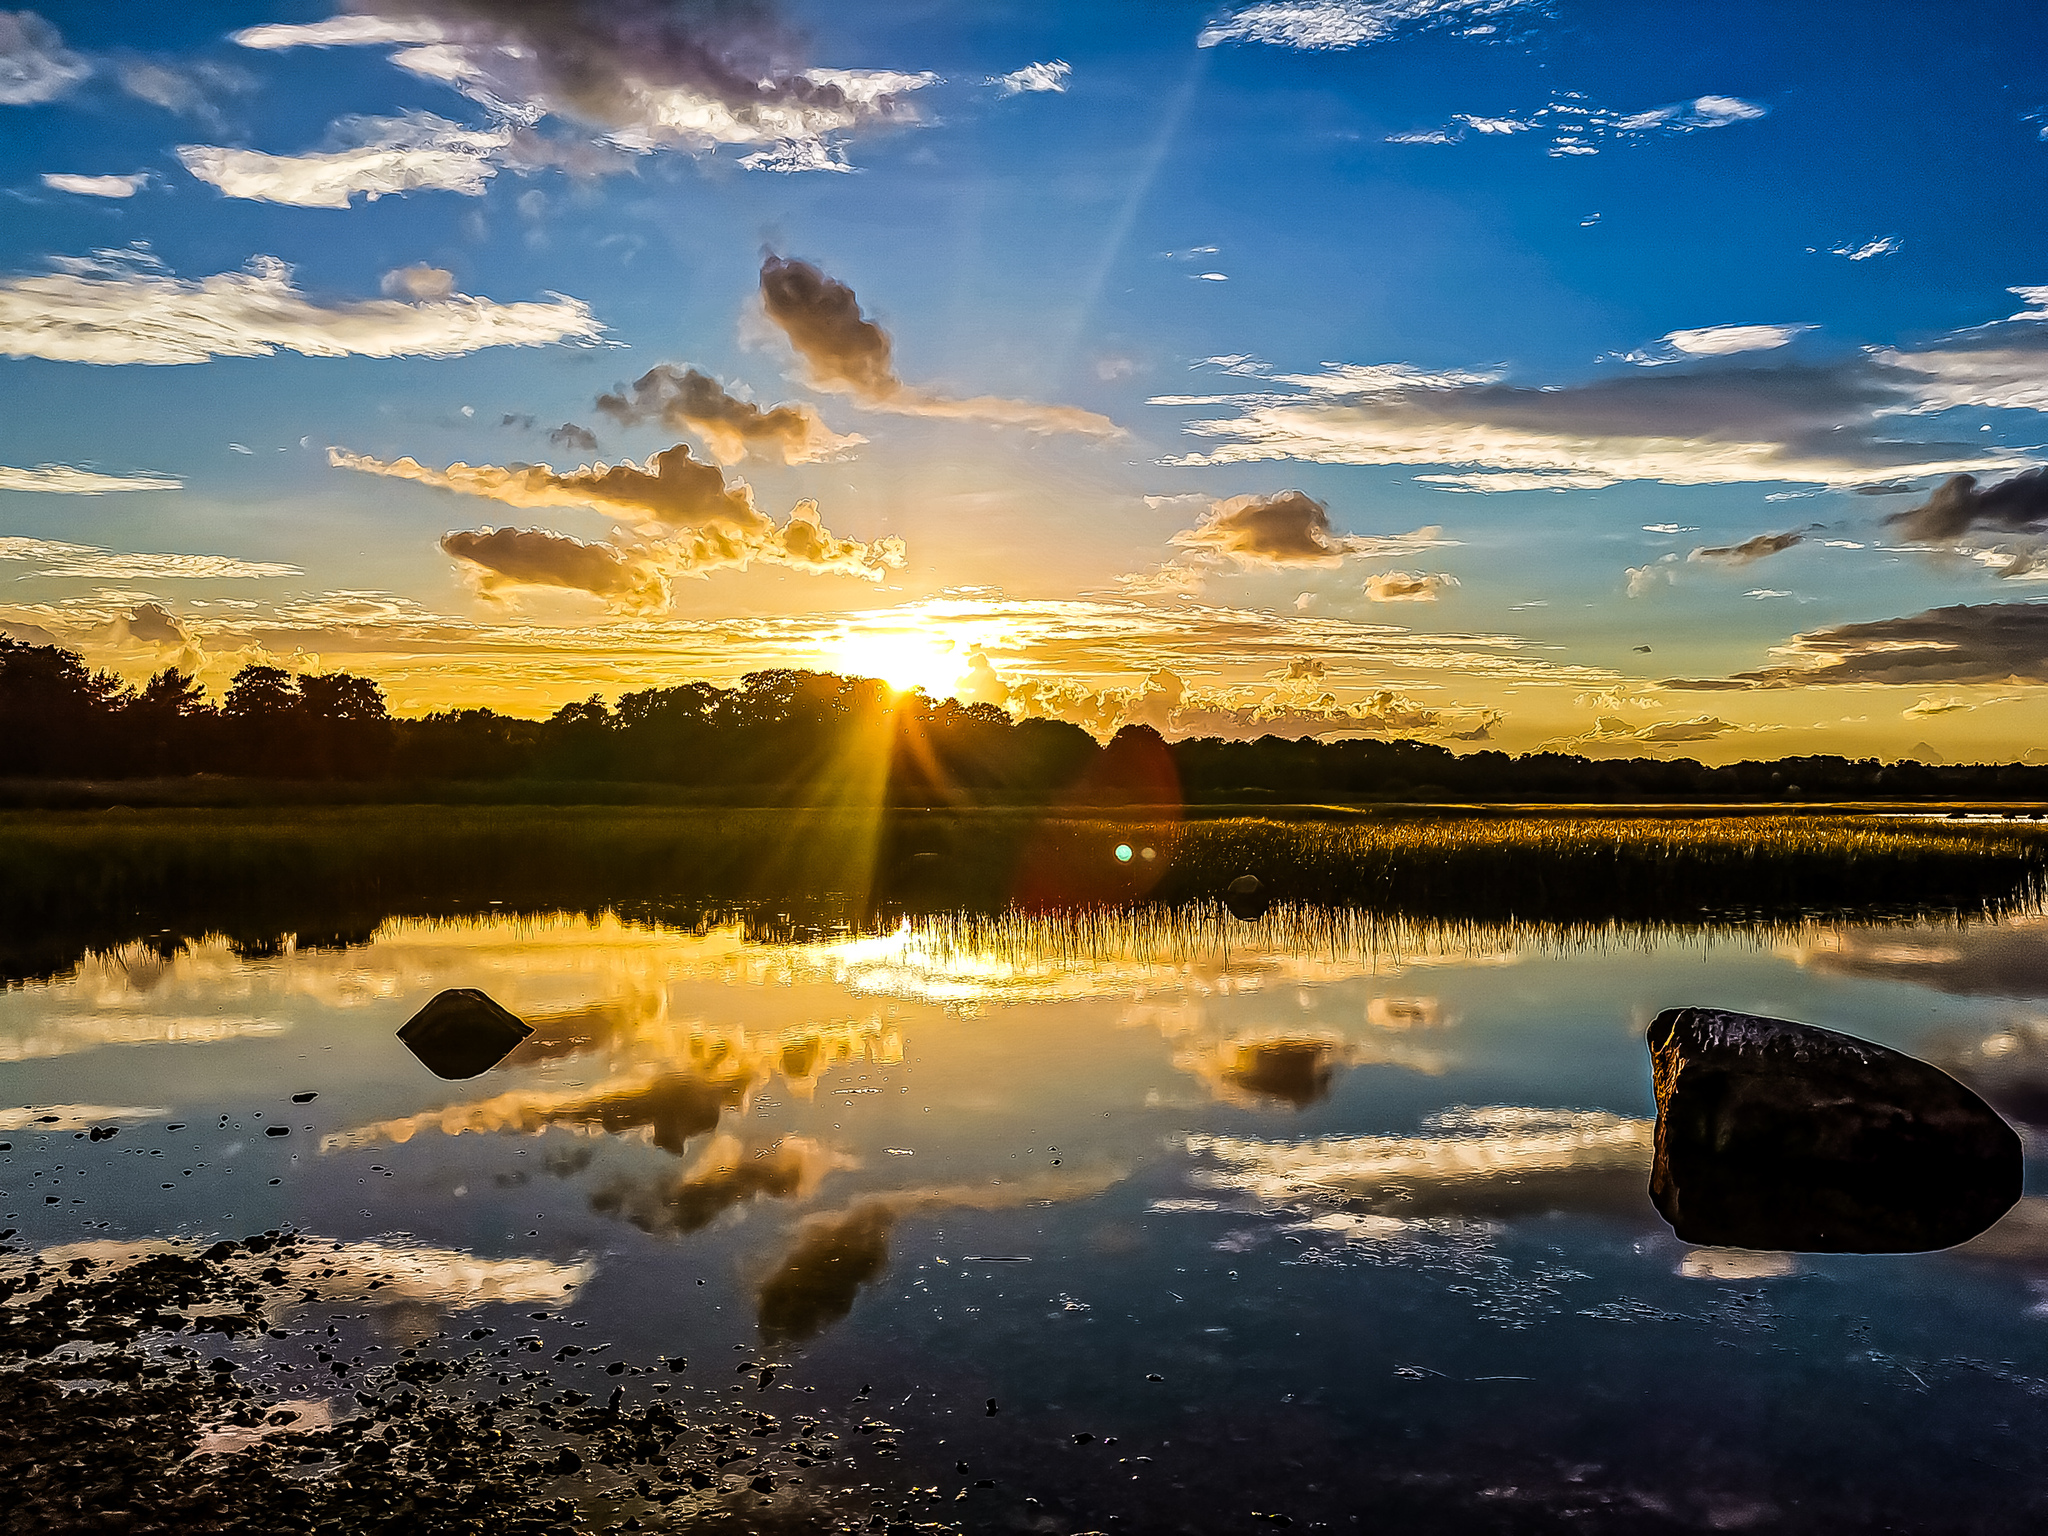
<point>1333,366</point>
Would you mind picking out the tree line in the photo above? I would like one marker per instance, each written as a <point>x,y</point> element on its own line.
<point>798,737</point>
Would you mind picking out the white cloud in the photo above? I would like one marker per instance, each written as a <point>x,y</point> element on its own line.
<point>1575,126</point>
<point>121,307</point>
<point>640,81</point>
<point>793,156</point>
<point>66,480</point>
<point>1838,423</point>
<point>35,65</point>
<point>1049,76</point>
<point>418,281</point>
<point>85,561</point>
<point>96,186</point>
<point>1883,245</point>
<point>1325,24</point>
<point>340,32</point>
<point>1727,340</point>
<point>374,157</point>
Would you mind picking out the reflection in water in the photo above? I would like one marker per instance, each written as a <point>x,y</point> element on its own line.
<point>389,1273</point>
<point>670,1108</point>
<point>1476,1164</point>
<point>727,1175</point>
<point>68,1036</point>
<point>837,1252</point>
<point>1736,1264</point>
<point>2002,959</point>
<point>72,1117</point>
<point>834,1256</point>
<point>1292,1069</point>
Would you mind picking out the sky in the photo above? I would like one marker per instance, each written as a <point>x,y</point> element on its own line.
<point>1628,380</point>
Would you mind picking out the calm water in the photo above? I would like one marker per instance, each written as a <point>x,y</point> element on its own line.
<point>1320,1222</point>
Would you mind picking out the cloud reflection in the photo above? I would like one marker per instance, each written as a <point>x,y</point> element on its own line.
<point>726,1176</point>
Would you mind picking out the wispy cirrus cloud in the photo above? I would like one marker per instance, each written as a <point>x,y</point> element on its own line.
<point>69,480</point>
<point>87,561</point>
<point>370,157</point>
<point>1318,25</point>
<point>119,307</point>
<point>639,74</point>
<point>1867,250</point>
<point>1572,125</point>
<point>35,66</point>
<point>1843,422</point>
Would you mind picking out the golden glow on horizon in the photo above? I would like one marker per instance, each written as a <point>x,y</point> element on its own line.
<point>904,659</point>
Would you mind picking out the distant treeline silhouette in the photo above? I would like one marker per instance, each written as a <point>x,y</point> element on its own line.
<point>796,737</point>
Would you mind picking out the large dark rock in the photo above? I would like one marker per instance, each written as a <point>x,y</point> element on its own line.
<point>462,1033</point>
<point>1772,1134</point>
<point>1247,898</point>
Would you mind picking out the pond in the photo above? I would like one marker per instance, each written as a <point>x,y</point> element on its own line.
<point>1144,1219</point>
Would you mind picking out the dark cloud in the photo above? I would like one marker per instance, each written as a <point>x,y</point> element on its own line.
<point>524,421</point>
<point>152,625</point>
<point>643,73</point>
<point>1285,528</point>
<point>1883,488</point>
<point>569,435</point>
<point>1987,643</point>
<point>729,1174</point>
<point>1960,506</point>
<point>1751,550</point>
<point>692,520</point>
<point>534,557</point>
<point>848,353</point>
<point>685,400</point>
<point>834,1256</point>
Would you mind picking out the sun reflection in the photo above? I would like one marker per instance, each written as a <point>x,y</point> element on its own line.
<point>904,659</point>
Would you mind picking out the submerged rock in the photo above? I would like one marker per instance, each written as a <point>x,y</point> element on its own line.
<point>1778,1135</point>
<point>1247,898</point>
<point>462,1033</point>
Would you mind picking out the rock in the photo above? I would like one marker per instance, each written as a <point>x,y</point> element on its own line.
<point>462,1033</point>
<point>1784,1136</point>
<point>1247,898</point>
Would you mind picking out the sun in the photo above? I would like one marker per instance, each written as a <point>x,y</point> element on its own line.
<point>904,659</point>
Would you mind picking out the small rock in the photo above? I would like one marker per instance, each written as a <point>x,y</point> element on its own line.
<point>462,1033</point>
<point>1784,1136</point>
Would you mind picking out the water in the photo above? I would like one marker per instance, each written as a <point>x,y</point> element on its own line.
<point>1310,1219</point>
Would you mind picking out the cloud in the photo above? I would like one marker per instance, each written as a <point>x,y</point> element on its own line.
<point>1049,76</point>
<point>1327,24</point>
<point>1575,126</point>
<point>640,74</point>
<point>1844,422</point>
<point>1643,579</point>
<point>119,307</point>
<point>1166,703</point>
<point>35,66</point>
<point>726,1175</point>
<point>1960,506</point>
<point>1718,341</point>
<point>96,186</point>
<point>733,429</point>
<point>1748,551</point>
<point>66,480</point>
<point>1933,706</point>
<point>569,435</point>
<point>1883,245</point>
<point>418,281</point>
<point>1284,528</point>
<point>91,563</point>
<point>1407,586</point>
<point>189,90</point>
<point>1476,1164</point>
<point>1987,643</point>
<point>836,1253</point>
<point>692,522</point>
<point>845,352</point>
<point>373,157</point>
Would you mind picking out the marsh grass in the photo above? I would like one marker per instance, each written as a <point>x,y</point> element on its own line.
<point>76,880</point>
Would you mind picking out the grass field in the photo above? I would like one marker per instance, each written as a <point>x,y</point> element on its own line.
<point>75,880</point>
